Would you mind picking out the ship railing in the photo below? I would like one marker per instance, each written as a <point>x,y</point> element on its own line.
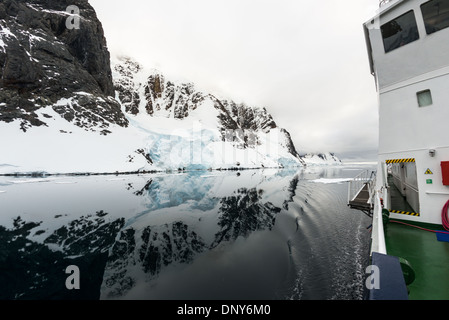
<point>377,233</point>
<point>372,185</point>
<point>361,190</point>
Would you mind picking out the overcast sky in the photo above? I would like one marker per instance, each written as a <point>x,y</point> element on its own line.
<point>305,61</point>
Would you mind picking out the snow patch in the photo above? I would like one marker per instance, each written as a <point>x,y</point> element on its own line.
<point>5,33</point>
<point>325,180</point>
<point>32,180</point>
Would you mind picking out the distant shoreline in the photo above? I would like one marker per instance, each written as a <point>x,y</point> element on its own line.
<point>174,171</point>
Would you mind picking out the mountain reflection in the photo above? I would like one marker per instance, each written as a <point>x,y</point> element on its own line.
<point>243,213</point>
<point>174,219</point>
<point>186,235</point>
<point>33,270</point>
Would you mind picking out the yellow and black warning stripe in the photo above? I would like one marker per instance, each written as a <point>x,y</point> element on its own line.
<point>414,214</point>
<point>400,160</point>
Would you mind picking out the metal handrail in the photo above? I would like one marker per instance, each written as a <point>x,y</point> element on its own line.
<point>377,233</point>
<point>371,186</point>
<point>357,183</point>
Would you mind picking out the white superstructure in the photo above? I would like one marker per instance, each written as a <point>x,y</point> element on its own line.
<point>408,48</point>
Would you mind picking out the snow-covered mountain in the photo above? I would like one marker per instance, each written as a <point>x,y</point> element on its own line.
<point>63,109</point>
<point>202,130</point>
<point>321,158</point>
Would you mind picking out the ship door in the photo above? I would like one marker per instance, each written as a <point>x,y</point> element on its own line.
<point>403,186</point>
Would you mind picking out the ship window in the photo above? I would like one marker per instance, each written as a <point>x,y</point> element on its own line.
<point>436,15</point>
<point>424,98</point>
<point>400,31</point>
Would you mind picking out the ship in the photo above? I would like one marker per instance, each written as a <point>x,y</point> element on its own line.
<point>407,195</point>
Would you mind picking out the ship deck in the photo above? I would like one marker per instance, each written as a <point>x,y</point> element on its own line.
<point>428,257</point>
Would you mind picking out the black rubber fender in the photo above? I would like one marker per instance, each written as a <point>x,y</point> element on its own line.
<point>407,271</point>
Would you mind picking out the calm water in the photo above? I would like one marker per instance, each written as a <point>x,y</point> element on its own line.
<point>255,234</point>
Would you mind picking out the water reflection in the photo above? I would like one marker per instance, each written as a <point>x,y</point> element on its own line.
<point>198,235</point>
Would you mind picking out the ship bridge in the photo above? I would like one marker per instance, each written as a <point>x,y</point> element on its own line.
<point>404,40</point>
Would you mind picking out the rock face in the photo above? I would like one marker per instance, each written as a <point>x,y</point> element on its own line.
<point>244,122</point>
<point>44,63</point>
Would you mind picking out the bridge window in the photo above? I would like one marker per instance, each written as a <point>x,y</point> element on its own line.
<point>436,15</point>
<point>400,31</point>
<point>424,98</point>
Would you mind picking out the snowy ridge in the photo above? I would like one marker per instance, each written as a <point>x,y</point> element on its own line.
<point>226,134</point>
<point>195,130</point>
<point>327,158</point>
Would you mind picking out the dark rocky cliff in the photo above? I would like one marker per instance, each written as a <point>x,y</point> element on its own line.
<point>45,63</point>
